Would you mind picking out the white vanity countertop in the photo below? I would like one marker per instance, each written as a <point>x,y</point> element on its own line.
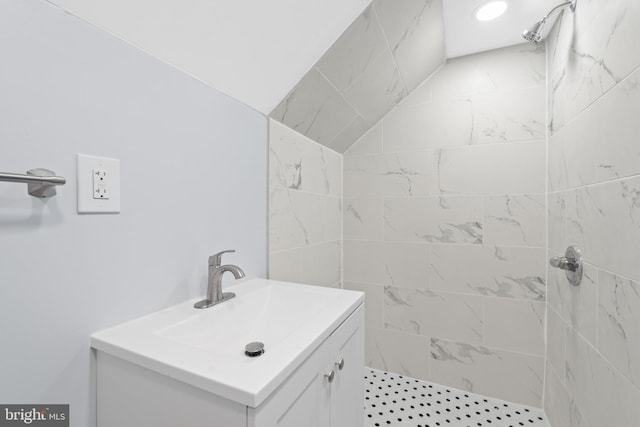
<point>205,348</point>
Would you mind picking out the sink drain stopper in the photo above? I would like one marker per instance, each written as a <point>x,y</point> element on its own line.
<point>254,349</point>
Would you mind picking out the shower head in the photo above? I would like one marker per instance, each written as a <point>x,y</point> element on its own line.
<point>534,34</point>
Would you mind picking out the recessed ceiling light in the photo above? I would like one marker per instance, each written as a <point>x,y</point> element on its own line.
<point>491,10</point>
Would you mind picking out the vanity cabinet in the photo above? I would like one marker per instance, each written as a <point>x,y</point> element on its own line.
<point>326,390</point>
<point>318,393</point>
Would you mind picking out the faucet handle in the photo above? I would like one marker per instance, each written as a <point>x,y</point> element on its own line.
<point>216,259</point>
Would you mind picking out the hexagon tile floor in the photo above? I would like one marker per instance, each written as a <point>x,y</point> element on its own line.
<point>394,400</point>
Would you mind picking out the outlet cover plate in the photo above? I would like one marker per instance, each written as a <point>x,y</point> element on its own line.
<point>86,165</point>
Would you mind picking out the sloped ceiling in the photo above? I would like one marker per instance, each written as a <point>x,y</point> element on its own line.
<point>254,51</point>
<point>392,47</point>
<point>265,53</point>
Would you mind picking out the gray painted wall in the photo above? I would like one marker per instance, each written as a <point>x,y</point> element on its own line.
<point>194,181</point>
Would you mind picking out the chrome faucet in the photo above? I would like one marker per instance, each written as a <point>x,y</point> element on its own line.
<point>214,288</point>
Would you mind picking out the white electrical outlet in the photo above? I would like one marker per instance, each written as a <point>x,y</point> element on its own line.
<point>98,184</point>
<point>101,185</point>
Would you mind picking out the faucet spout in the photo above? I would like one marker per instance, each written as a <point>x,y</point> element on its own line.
<point>234,269</point>
<point>214,288</point>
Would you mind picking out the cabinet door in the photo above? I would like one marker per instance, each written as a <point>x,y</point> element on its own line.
<point>302,400</point>
<point>347,389</point>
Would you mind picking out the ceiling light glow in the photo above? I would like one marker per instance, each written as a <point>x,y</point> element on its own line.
<point>491,10</point>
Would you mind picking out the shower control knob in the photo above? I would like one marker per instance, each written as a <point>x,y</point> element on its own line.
<point>571,262</point>
<point>564,263</point>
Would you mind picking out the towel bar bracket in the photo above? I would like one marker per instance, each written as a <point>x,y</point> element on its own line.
<point>40,182</point>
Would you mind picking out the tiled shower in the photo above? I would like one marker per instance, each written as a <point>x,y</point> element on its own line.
<point>453,196</point>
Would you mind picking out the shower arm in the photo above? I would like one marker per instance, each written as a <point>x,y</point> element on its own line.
<point>572,4</point>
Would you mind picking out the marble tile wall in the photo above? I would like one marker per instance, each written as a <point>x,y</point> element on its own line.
<point>392,47</point>
<point>444,227</point>
<point>305,209</point>
<point>593,331</point>
<point>444,207</point>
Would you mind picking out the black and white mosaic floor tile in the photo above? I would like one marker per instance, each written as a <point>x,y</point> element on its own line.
<point>395,400</point>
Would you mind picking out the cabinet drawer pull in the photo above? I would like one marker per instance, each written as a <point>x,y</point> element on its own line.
<point>340,364</point>
<point>330,376</point>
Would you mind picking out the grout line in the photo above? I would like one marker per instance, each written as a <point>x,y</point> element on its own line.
<point>443,195</point>
<point>381,206</point>
<point>305,137</point>
<point>484,323</point>
<point>603,269</point>
<point>497,348</point>
<point>483,219</point>
<point>342,203</point>
<point>447,245</point>
<point>393,57</point>
<point>598,99</point>
<point>301,265</point>
<point>340,133</point>
<point>311,245</point>
<point>570,329</point>
<point>429,268</point>
<point>595,184</point>
<point>607,362</point>
<point>268,182</point>
<point>350,104</point>
<point>456,195</point>
<point>456,147</point>
<point>448,292</point>
<point>342,95</point>
<point>553,371</point>
<point>382,125</point>
<point>311,193</point>
<point>546,220</point>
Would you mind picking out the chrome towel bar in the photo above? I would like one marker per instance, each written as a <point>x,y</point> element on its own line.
<point>41,182</point>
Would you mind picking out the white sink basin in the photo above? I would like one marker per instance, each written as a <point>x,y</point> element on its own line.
<point>268,314</point>
<point>205,348</point>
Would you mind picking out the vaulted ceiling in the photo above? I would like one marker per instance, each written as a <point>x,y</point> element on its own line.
<point>329,69</point>
<point>389,50</point>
